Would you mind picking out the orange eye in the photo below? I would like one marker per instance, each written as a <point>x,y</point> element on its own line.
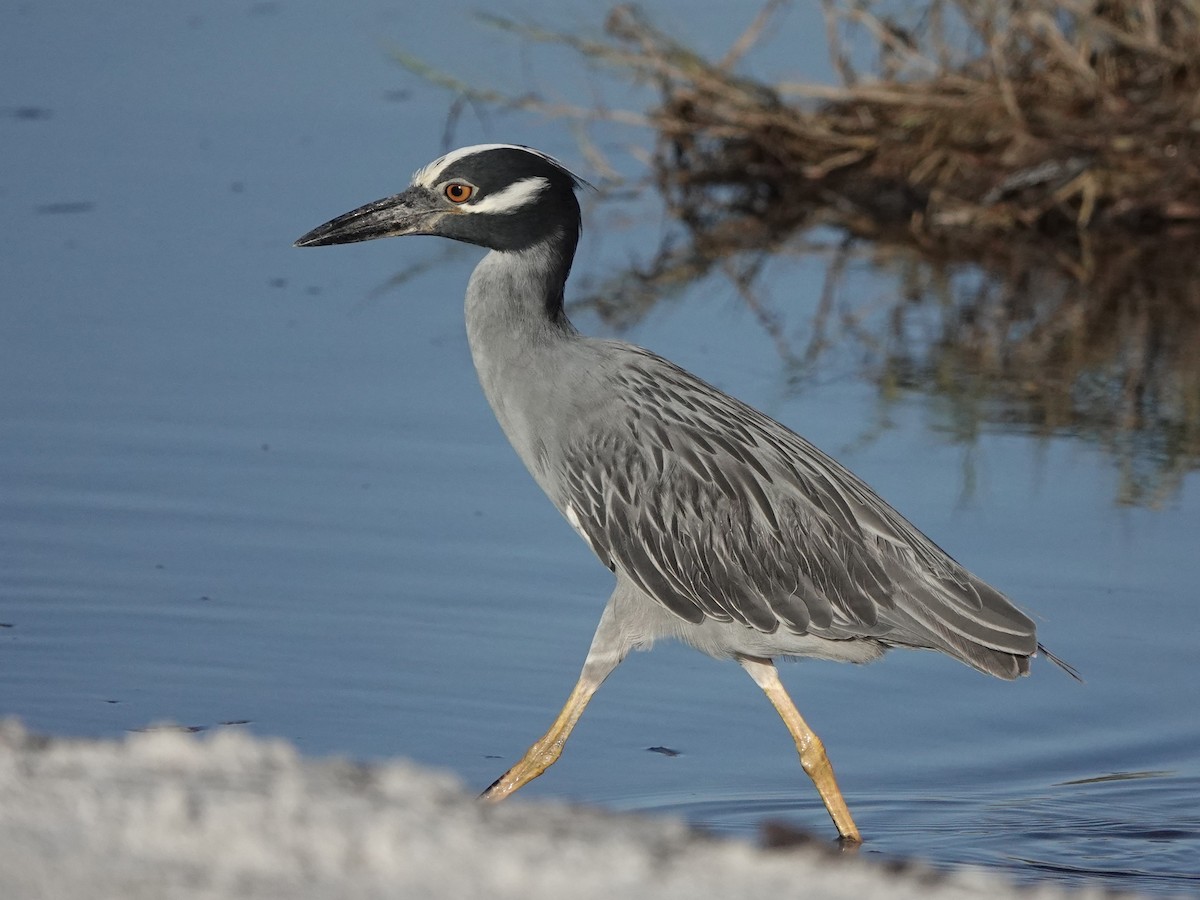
<point>457,192</point>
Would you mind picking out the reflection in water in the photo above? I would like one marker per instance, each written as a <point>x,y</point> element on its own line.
<point>1110,358</point>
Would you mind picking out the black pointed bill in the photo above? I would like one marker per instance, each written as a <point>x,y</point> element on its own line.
<point>407,213</point>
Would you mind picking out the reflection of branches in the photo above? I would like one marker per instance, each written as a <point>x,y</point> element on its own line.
<point>834,272</point>
<point>1114,360</point>
<point>743,278</point>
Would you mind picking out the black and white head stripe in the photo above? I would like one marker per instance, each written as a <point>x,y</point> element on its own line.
<point>501,196</point>
<point>506,178</point>
<point>437,171</point>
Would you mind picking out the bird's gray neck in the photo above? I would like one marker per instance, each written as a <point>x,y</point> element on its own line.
<point>516,326</point>
<point>519,293</point>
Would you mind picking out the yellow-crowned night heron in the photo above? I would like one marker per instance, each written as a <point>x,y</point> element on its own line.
<point>724,529</point>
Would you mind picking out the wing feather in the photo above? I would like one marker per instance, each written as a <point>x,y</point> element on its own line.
<point>717,511</point>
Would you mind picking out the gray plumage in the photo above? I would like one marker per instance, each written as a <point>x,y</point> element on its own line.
<point>723,527</point>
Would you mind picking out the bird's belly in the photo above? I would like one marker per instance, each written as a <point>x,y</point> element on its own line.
<point>646,620</point>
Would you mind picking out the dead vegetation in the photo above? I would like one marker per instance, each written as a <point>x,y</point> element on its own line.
<point>1070,120</point>
<point>1053,145</point>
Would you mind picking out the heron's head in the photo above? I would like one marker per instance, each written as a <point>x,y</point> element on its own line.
<point>499,196</point>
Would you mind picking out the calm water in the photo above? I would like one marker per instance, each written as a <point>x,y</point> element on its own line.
<point>245,483</point>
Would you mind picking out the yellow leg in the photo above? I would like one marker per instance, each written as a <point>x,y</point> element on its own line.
<point>609,646</point>
<point>812,751</point>
<point>543,754</point>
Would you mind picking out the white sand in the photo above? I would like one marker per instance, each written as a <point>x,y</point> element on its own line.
<point>166,815</point>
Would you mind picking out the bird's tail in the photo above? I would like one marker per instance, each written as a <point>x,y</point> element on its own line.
<point>1062,664</point>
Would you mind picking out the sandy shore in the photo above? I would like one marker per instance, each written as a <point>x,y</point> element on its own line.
<point>169,815</point>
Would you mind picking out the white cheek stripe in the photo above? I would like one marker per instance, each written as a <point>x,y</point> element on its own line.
<point>516,195</point>
<point>430,174</point>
